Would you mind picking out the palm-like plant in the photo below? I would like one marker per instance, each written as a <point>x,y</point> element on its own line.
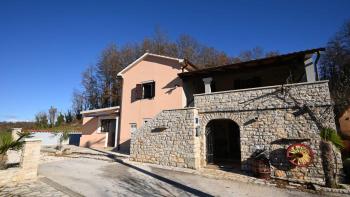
<point>64,136</point>
<point>329,136</point>
<point>8,143</point>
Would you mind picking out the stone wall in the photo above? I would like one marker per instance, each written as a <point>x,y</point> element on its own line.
<point>169,139</point>
<point>28,165</point>
<point>270,118</point>
<point>273,118</point>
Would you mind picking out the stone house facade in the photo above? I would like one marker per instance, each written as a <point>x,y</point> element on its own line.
<point>227,119</point>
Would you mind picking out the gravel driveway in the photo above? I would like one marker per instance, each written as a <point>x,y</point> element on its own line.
<point>89,177</point>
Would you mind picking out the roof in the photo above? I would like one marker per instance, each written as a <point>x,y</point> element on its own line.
<point>107,110</point>
<point>253,63</point>
<point>143,57</point>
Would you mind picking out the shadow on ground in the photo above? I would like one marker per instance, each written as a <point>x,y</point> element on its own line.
<point>139,186</point>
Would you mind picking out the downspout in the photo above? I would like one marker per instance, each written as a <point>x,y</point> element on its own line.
<point>316,62</point>
<point>117,135</point>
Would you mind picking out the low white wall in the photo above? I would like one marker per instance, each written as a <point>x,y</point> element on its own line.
<point>48,138</point>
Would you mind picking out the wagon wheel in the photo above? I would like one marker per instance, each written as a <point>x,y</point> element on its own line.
<point>299,155</point>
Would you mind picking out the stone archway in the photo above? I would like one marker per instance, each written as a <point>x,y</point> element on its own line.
<point>223,143</point>
<point>238,118</point>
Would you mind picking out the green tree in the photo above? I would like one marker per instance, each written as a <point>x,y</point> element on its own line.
<point>41,120</point>
<point>60,120</point>
<point>68,116</point>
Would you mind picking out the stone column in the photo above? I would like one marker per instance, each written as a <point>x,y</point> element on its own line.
<point>207,81</point>
<point>310,70</point>
<point>30,158</point>
<point>14,133</point>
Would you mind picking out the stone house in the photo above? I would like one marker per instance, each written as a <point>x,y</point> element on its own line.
<point>174,114</point>
<point>234,110</point>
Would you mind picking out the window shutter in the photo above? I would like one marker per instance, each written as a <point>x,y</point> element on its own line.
<point>138,92</point>
<point>153,89</point>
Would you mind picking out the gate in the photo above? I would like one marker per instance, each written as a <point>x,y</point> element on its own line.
<point>210,150</point>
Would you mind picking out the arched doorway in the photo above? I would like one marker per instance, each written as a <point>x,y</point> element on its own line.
<point>223,143</point>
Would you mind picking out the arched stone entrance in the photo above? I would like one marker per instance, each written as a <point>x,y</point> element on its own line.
<point>223,143</point>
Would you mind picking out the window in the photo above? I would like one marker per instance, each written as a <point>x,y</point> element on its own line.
<point>148,90</point>
<point>133,127</point>
<point>104,125</point>
<point>145,90</point>
<point>107,125</point>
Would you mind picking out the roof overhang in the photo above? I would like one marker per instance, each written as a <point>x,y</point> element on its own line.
<point>253,64</point>
<point>101,112</point>
<point>120,74</point>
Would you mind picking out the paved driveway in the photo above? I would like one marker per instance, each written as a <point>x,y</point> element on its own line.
<point>89,177</point>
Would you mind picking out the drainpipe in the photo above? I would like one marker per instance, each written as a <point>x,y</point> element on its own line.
<point>316,62</point>
<point>118,121</point>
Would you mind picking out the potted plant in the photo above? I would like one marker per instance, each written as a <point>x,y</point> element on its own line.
<point>261,164</point>
<point>8,143</point>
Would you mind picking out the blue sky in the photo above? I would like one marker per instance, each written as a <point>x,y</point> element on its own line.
<point>46,45</point>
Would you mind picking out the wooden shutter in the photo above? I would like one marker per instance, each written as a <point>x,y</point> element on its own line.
<point>153,89</point>
<point>138,92</point>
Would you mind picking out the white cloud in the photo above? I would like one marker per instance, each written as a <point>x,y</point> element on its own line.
<point>16,120</point>
<point>12,118</point>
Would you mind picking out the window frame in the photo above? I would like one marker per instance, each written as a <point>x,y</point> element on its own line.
<point>152,86</point>
<point>133,129</point>
<point>140,90</point>
<point>99,126</point>
<point>101,120</point>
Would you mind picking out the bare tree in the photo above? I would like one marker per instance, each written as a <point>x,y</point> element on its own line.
<point>255,53</point>
<point>91,91</point>
<point>78,106</point>
<point>52,115</point>
<point>108,67</point>
<point>101,87</point>
<point>188,48</point>
<point>335,66</point>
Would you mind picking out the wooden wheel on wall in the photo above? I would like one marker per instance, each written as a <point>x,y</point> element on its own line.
<point>299,155</point>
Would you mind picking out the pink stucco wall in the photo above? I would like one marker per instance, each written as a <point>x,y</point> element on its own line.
<point>168,92</point>
<point>90,136</point>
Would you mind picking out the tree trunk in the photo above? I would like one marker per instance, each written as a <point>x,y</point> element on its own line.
<point>3,160</point>
<point>328,162</point>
